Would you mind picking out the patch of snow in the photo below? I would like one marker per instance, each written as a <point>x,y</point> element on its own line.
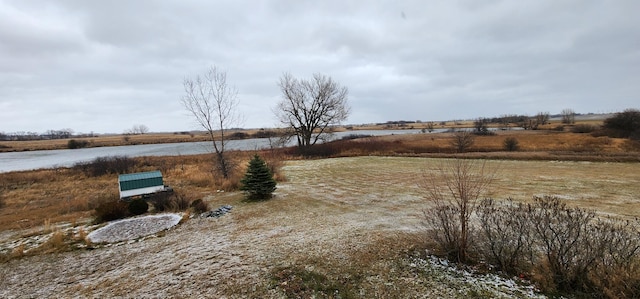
<point>134,228</point>
<point>497,286</point>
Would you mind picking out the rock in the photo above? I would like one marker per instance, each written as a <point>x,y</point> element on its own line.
<point>217,212</point>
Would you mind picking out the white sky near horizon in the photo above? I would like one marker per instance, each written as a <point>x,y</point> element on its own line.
<point>104,66</point>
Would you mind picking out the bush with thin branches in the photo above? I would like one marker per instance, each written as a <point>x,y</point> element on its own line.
<point>511,144</point>
<point>462,141</point>
<point>563,249</point>
<point>506,237</point>
<point>453,190</point>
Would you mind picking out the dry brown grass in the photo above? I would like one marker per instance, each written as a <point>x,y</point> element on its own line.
<point>99,141</point>
<point>112,140</point>
<point>346,221</point>
<point>528,141</point>
<point>66,195</point>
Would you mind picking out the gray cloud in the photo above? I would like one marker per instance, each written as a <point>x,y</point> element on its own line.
<point>106,65</point>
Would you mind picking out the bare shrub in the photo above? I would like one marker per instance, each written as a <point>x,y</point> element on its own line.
<point>561,233</point>
<point>511,144</point>
<point>568,116</point>
<point>161,201</point>
<point>624,124</point>
<point>480,127</point>
<point>617,273</point>
<point>111,210</point>
<point>462,141</point>
<point>444,224</point>
<point>181,202</point>
<point>106,165</point>
<point>199,206</point>
<point>453,190</point>
<point>138,206</point>
<point>584,128</point>
<point>563,249</point>
<point>506,238</point>
<point>75,144</point>
<point>170,202</point>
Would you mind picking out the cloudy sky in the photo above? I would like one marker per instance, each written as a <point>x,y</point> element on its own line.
<point>105,66</point>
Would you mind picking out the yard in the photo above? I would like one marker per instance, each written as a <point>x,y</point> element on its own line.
<point>352,225</point>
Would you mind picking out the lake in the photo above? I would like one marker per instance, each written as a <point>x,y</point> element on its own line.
<point>15,161</point>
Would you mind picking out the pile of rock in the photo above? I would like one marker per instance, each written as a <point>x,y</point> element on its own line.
<point>217,212</point>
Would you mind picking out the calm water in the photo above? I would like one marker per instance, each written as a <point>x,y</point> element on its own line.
<point>66,157</point>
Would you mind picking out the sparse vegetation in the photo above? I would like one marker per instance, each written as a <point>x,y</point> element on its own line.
<point>106,165</point>
<point>568,116</point>
<point>138,206</point>
<point>298,282</point>
<point>170,201</point>
<point>624,124</point>
<point>462,141</point>
<point>111,210</point>
<point>199,206</point>
<point>74,144</point>
<point>562,249</point>
<point>584,128</point>
<point>453,190</point>
<point>481,127</point>
<point>511,144</point>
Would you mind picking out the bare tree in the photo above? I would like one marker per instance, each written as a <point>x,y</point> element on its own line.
<point>141,129</point>
<point>213,103</point>
<point>481,127</point>
<point>568,116</point>
<point>542,118</point>
<point>454,189</point>
<point>310,107</point>
<point>430,126</point>
<point>137,130</point>
<point>462,141</point>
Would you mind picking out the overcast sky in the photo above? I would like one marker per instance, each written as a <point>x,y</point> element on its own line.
<point>105,66</point>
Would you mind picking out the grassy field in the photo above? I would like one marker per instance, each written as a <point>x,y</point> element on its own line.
<point>351,222</point>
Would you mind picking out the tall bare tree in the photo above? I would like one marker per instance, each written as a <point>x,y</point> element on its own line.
<point>310,107</point>
<point>213,104</point>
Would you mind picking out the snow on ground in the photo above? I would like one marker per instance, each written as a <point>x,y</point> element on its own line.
<point>134,228</point>
<point>489,284</point>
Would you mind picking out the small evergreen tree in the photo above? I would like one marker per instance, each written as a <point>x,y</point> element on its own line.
<point>258,182</point>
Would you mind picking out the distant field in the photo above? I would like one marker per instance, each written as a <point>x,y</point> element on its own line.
<point>152,138</point>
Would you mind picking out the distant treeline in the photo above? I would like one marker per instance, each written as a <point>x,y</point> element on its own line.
<point>508,118</point>
<point>68,133</point>
<point>48,135</point>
